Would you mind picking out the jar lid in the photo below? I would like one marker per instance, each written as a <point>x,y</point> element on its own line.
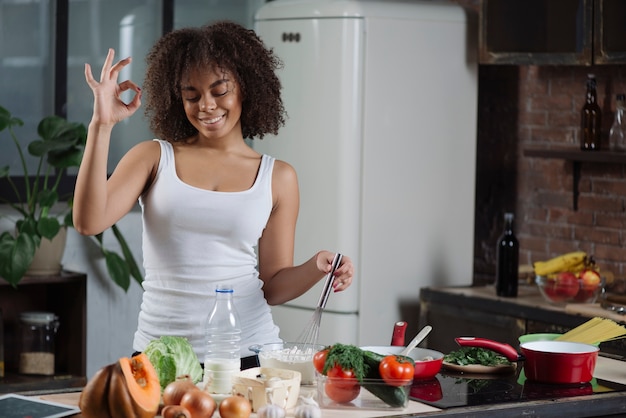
<point>37,317</point>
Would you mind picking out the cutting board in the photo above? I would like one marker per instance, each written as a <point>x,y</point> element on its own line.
<point>592,310</point>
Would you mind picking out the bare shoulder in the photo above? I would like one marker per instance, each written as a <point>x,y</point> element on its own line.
<point>146,153</point>
<point>284,173</point>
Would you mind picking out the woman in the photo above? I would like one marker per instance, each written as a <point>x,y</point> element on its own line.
<point>210,202</point>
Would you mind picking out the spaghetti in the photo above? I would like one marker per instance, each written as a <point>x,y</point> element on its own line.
<point>595,331</point>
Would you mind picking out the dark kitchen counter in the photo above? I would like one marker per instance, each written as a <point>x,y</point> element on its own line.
<point>477,311</point>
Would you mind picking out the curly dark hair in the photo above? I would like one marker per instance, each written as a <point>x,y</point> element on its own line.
<point>230,47</point>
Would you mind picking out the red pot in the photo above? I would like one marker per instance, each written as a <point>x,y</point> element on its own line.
<point>546,361</point>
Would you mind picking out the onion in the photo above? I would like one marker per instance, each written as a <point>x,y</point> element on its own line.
<point>235,407</point>
<point>173,392</point>
<point>199,403</point>
<point>174,411</point>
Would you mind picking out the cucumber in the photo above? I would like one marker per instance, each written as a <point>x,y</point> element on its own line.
<point>392,395</point>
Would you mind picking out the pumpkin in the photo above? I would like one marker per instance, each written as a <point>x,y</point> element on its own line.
<point>128,388</point>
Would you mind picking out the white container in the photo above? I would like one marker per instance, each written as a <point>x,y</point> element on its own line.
<point>263,385</point>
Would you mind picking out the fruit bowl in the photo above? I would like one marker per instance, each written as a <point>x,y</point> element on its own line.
<point>565,287</point>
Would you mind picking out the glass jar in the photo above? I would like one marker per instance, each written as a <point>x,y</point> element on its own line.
<point>37,333</point>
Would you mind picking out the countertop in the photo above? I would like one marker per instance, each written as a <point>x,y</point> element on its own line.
<point>581,406</point>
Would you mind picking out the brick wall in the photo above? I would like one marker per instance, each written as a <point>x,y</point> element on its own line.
<point>539,106</point>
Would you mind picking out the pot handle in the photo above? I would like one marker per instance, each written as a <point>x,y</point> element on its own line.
<point>399,329</point>
<point>506,350</point>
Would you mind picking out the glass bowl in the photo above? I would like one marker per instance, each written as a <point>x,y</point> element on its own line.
<point>573,290</point>
<point>289,356</point>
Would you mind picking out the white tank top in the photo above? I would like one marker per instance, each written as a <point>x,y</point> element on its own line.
<point>193,240</point>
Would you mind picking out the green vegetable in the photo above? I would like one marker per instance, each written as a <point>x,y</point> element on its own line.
<point>172,357</point>
<point>475,355</point>
<point>348,357</point>
<point>393,396</point>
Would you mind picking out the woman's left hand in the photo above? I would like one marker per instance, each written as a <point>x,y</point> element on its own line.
<point>343,274</point>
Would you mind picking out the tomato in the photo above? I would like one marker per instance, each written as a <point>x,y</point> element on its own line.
<point>337,391</point>
<point>319,359</point>
<point>396,371</point>
<point>341,384</point>
<point>342,377</point>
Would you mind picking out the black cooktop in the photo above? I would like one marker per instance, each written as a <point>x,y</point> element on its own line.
<point>451,389</point>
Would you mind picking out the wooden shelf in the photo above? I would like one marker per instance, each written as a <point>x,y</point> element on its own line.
<point>610,157</point>
<point>66,296</point>
<point>577,157</point>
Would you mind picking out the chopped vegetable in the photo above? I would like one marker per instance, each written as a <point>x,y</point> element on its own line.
<point>172,357</point>
<point>475,355</point>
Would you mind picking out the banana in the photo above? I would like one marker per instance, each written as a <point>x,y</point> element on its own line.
<point>563,262</point>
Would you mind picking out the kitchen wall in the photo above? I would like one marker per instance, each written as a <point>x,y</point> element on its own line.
<point>539,107</point>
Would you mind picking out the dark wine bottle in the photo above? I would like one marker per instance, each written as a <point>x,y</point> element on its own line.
<point>591,118</point>
<point>507,255</point>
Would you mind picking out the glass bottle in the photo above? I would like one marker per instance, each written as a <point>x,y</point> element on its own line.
<point>222,358</point>
<point>507,254</point>
<point>1,346</point>
<point>618,130</point>
<point>591,118</point>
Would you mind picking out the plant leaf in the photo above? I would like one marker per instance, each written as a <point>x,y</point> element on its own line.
<point>128,255</point>
<point>118,269</point>
<point>48,227</point>
<point>67,158</point>
<point>16,255</point>
<point>6,120</point>
<point>47,198</point>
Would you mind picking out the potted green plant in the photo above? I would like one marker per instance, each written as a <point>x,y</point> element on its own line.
<point>60,146</point>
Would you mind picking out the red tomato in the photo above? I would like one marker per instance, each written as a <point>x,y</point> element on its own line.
<point>341,384</point>
<point>342,377</point>
<point>319,359</point>
<point>396,371</point>
<point>337,391</point>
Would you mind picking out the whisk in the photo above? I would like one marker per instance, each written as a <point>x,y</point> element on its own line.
<point>309,336</point>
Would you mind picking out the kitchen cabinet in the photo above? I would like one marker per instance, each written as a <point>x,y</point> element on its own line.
<point>477,311</point>
<point>577,157</point>
<point>64,295</point>
<point>555,32</point>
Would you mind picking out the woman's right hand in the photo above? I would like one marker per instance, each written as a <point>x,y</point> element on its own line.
<point>109,108</point>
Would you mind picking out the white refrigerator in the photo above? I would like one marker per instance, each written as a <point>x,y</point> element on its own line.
<point>381,99</point>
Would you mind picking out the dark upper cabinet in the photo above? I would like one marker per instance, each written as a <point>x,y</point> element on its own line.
<point>609,36</point>
<point>552,32</point>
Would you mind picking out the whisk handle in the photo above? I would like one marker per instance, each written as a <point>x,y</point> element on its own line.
<point>328,284</point>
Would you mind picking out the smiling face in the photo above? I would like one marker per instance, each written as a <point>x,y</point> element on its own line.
<point>212,103</point>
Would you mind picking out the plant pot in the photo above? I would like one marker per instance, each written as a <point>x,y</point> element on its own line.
<point>48,256</point>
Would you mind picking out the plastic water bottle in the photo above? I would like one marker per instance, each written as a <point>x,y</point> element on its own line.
<point>222,359</point>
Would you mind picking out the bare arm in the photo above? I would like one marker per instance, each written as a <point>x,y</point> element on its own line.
<point>98,202</point>
<point>282,280</point>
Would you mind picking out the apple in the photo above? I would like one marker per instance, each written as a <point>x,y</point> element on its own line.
<point>566,285</point>
<point>590,279</point>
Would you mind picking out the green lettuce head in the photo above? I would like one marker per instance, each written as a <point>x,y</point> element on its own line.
<point>173,357</point>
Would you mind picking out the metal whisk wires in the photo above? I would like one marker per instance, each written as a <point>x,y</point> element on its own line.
<point>309,336</point>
